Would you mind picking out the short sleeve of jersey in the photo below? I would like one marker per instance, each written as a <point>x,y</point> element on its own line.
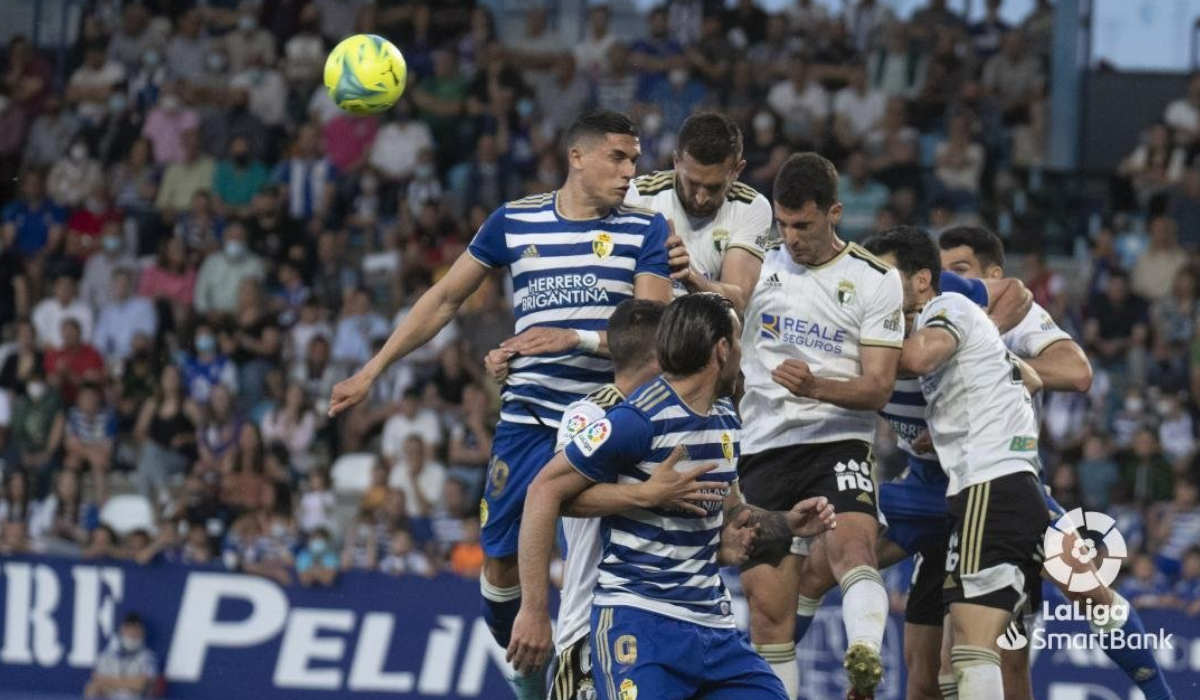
<point>1036,332</point>
<point>883,322</point>
<point>577,417</point>
<point>619,440</point>
<point>975,290</point>
<point>489,245</point>
<point>752,234</point>
<point>949,312</point>
<point>652,260</point>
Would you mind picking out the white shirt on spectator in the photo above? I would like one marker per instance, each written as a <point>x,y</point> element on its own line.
<point>810,104</point>
<point>863,111</point>
<point>430,482</point>
<point>303,333</point>
<point>352,339</point>
<point>117,663</point>
<point>49,314</point>
<point>316,510</point>
<point>107,75</point>
<point>591,54</point>
<point>397,145</point>
<point>266,94</point>
<point>5,409</point>
<point>96,286</point>
<point>1182,114</point>
<point>399,427</point>
<point>120,322</point>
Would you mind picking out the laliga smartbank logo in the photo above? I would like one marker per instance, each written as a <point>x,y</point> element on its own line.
<point>1073,560</point>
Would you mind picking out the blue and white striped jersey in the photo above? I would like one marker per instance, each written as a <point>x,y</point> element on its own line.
<point>661,561</point>
<point>566,274</point>
<point>905,410</point>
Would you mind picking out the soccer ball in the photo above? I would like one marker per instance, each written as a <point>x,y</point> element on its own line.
<point>365,74</point>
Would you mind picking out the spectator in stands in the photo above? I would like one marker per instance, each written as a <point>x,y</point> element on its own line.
<point>410,419</point>
<point>1173,317</point>
<point>987,35</point>
<point>183,179</point>
<point>22,362</point>
<point>166,431</point>
<point>1013,78</point>
<point>1174,526</point>
<point>1155,165</point>
<point>218,437</point>
<point>304,53</point>
<point>317,562</point>
<point>123,319</point>
<point>316,372</point>
<point>237,179</point>
<point>1183,114</point>
<point>1116,323</point>
<point>170,281</point>
<point>50,134</point>
<point>1145,471</point>
<point>88,224</point>
<point>358,327</point>
<point>223,272</point>
<point>62,522</point>
<point>97,286</point>
<point>1144,586</point>
<point>800,102</point>
<point>395,154</point>
<point>898,68</point>
<point>132,38</point>
<point>308,176</point>
<point>316,506</point>
<point>166,124</point>
<point>293,424</point>
<point>861,198</point>
<point>92,83</point>
<point>1187,588</point>
<point>248,41</point>
<point>126,668</point>
<point>487,180</point>
<point>1098,473</point>
<point>90,438</point>
<point>189,47</point>
<point>73,177</point>
<point>421,478</point>
<point>1176,431</point>
<point>1156,268</point>
<point>245,484</point>
<point>470,444</point>
<point>28,221</point>
<point>16,502</point>
<point>960,161</point>
<point>73,364</point>
<point>858,110</point>
<point>404,559</point>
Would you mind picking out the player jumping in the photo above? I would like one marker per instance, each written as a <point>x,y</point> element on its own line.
<point>573,254</point>
<point>661,621</point>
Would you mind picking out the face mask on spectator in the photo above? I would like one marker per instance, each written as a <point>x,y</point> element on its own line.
<point>130,643</point>
<point>36,390</point>
<point>111,243</point>
<point>677,77</point>
<point>278,529</point>
<point>116,103</point>
<point>1134,404</point>
<point>763,121</point>
<point>234,249</point>
<point>205,344</point>
<point>525,107</point>
<point>150,58</point>
<point>247,23</point>
<point>216,62</point>
<point>423,170</point>
<point>170,102</point>
<point>651,123</point>
<point>78,152</point>
<point>317,545</point>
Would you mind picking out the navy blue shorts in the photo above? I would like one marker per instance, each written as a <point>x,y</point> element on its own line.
<point>640,654</point>
<point>518,453</point>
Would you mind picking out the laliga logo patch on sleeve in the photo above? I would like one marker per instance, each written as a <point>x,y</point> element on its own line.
<point>575,423</point>
<point>593,437</point>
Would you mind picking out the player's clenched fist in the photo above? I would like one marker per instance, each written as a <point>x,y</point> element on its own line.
<point>496,364</point>
<point>795,376</point>
<point>529,648</point>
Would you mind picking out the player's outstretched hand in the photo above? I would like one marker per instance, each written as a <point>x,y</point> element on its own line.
<point>795,376</point>
<point>496,364</point>
<point>529,648</point>
<point>349,392</point>
<point>811,517</point>
<point>541,340</point>
<point>738,538</point>
<point>667,488</point>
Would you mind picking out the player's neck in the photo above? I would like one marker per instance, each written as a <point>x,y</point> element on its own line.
<point>697,391</point>
<point>628,382</point>
<point>573,203</point>
<point>831,251</point>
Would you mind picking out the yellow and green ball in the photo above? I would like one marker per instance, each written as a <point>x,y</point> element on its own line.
<point>365,74</point>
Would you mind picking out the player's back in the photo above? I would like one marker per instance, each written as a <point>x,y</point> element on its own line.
<point>980,415</point>
<point>566,273</point>
<point>653,559</point>
<point>743,220</point>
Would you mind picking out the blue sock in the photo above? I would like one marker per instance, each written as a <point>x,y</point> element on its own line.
<point>1139,664</point>
<point>500,607</point>
<point>806,610</point>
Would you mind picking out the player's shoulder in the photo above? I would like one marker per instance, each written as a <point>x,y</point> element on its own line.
<point>653,183</point>
<point>865,262</point>
<point>741,193</point>
<point>650,398</point>
<point>626,210</point>
<point>531,202</point>
<point>605,397</point>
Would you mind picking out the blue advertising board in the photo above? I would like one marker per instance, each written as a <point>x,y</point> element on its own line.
<point>221,634</point>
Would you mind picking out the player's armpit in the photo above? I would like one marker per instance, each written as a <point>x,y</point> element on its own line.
<point>1008,302</point>
<point>927,349</point>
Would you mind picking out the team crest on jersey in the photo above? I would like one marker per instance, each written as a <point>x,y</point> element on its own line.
<point>727,445</point>
<point>845,292</point>
<point>498,477</point>
<point>576,423</point>
<point>628,690</point>
<point>625,649</point>
<point>596,435</point>
<point>770,327</point>
<point>602,246</point>
<point>720,239</point>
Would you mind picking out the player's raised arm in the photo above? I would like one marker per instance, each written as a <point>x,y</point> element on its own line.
<point>666,488</point>
<point>430,314</point>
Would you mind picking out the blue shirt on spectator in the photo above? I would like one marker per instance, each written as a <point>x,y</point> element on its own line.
<point>33,223</point>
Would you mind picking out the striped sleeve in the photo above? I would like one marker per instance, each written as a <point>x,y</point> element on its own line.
<point>652,259</point>
<point>620,439</point>
<point>946,311</point>
<point>489,246</point>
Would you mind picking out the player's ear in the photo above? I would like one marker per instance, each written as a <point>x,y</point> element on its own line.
<point>835,213</point>
<point>923,279</point>
<point>994,272</point>
<point>737,169</point>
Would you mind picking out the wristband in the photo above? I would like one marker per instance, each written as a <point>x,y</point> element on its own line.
<point>589,341</point>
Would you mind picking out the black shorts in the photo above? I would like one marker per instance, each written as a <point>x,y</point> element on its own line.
<point>777,478</point>
<point>994,555</point>
<point>573,677</point>
<point>925,604</point>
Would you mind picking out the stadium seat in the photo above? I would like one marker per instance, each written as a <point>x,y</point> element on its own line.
<point>127,513</point>
<point>352,473</point>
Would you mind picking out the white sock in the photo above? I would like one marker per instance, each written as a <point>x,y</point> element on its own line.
<point>864,606</point>
<point>978,673</point>
<point>782,659</point>
<point>949,687</point>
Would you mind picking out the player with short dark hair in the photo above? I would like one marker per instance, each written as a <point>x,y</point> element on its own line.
<point>822,340</point>
<point>661,620</point>
<point>720,227</point>
<point>573,255</point>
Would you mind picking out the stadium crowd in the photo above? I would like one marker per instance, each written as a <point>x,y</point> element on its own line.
<point>197,244</point>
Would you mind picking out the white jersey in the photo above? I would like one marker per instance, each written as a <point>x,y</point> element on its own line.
<point>582,534</point>
<point>1036,332</point>
<point>823,315</point>
<point>979,413</point>
<point>744,221</point>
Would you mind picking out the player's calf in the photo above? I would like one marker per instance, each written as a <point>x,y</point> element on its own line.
<point>922,646</point>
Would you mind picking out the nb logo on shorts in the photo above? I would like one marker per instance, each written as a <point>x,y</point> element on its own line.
<point>853,476</point>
